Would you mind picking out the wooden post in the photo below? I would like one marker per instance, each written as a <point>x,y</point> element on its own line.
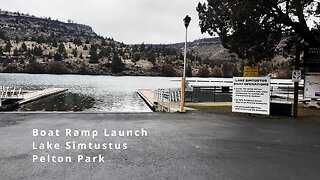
<point>296,84</point>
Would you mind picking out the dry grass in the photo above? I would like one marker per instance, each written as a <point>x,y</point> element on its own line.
<point>312,114</point>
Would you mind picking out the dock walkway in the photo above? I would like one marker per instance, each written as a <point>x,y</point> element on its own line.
<point>35,95</point>
<point>148,96</point>
<point>9,102</point>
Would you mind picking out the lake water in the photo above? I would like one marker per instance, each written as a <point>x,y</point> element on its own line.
<point>88,93</point>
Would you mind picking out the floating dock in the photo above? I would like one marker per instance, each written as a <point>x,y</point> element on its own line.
<point>13,101</point>
<point>35,95</point>
<point>148,97</point>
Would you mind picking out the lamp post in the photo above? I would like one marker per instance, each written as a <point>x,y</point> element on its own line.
<point>186,20</point>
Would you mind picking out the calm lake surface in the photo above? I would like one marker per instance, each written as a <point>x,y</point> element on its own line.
<point>88,93</point>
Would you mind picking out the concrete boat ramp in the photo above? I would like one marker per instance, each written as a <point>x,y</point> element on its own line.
<point>11,98</point>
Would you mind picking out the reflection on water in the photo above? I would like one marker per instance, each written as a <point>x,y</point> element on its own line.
<point>88,93</point>
<point>61,102</point>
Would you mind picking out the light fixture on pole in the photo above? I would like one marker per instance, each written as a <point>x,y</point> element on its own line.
<point>186,20</point>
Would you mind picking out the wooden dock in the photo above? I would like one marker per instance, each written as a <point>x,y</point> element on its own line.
<point>148,97</point>
<point>29,96</point>
<point>35,95</point>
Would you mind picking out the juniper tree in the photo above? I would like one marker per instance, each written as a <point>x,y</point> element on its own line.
<point>254,29</point>
<point>24,47</point>
<point>117,65</point>
<point>8,47</point>
<point>93,54</point>
<point>62,50</point>
<point>75,52</point>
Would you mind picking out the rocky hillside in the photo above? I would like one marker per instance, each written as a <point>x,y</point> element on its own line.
<point>41,45</point>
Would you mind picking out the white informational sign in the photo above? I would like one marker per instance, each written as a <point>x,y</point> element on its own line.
<point>251,95</point>
<point>312,86</point>
<point>296,75</point>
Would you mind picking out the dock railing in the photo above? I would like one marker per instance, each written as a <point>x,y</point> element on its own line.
<point>165,98</point>
<point>10,93</point>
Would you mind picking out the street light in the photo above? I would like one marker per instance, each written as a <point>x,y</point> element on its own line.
<point>186,21</point>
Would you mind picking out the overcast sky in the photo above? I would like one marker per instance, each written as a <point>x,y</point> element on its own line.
<point>128,21</point>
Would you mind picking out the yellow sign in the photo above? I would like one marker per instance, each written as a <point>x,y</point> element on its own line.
<point>249,71</point>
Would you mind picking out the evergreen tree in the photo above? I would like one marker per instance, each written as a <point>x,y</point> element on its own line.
<point>93,54</point>
<point>227,70</point>
<point>62,50</point>
<point>117,65</point>
<point>142,47</point>
<point>40,40</point>
<point>75,52</point>
<point>152,57</point>
<point>37,51</point>
<point>15,52</point>
<point>54,43</point>
<point>8,47</point>
<point>103,42</point>
<point>24,47</point>
<point>50,55</point>
<point>2,35</point>
<point>136,56</point>
<point>168,70</point>
<point>216,72</point>
<point>77,41</point>
<point>189,71</point>
<point>33,38</point>
<point>254,29</point>
<point>104,52</point>
<point>203,72</point>
<point>17,39</point>
<point>235,72</point>
<point>57,57</point>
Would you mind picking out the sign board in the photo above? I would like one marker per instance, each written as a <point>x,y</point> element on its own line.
<point>251,95</point>
<point>188,86</point>
<point>296,75</point>
<point>312,55</point>
<point>249,71</point>
<point>312,86</point>
<point>312,59</point>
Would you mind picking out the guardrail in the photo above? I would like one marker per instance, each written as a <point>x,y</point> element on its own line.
<point>10,93</point>
<point>165,97</point>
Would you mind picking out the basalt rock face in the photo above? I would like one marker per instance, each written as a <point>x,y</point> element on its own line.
<point>30,44</point>
<point>21,26</point>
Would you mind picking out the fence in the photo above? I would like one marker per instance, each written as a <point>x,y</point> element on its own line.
<point>166,98</point>
<point>10,93</point>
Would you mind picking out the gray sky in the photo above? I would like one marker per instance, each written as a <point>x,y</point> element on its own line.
<point>128,21</point>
